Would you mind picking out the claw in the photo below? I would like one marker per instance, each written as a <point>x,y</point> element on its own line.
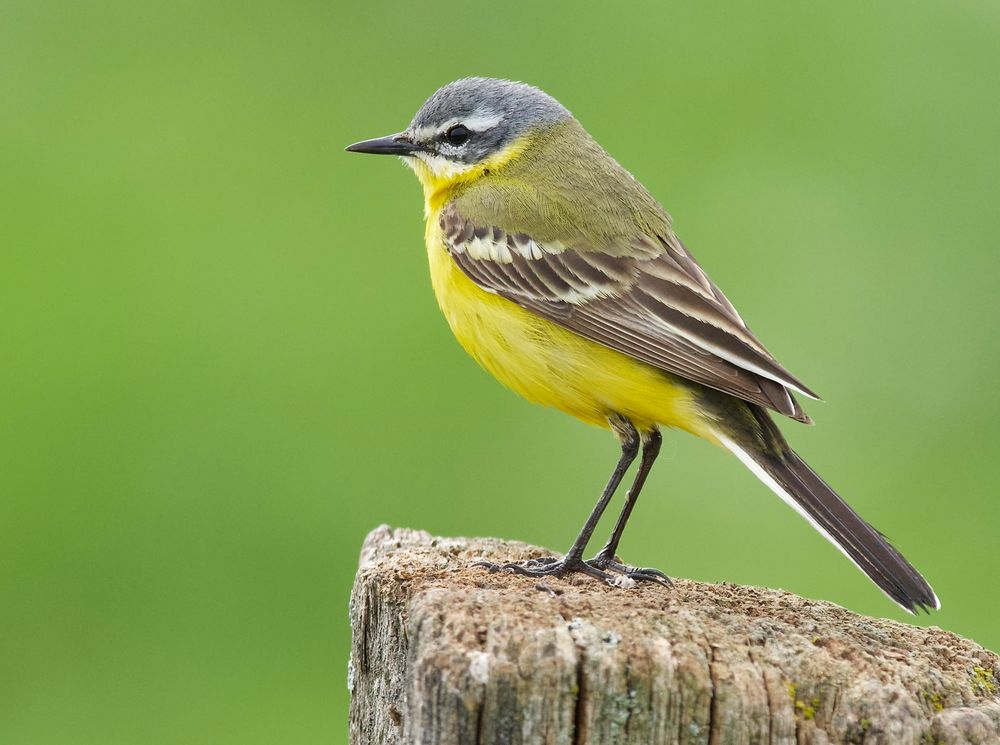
<point>489,566</point>
<point>637,574</point>
<point>541,561</point>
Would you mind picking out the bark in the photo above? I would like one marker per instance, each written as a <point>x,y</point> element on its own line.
<point>447,653</point>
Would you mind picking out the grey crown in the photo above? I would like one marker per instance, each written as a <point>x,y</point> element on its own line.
<point>521,106</point>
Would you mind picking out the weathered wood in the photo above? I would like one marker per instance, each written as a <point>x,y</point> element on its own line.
<point>446,653</point>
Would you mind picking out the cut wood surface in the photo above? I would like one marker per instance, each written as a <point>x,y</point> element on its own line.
<point>445,653</point>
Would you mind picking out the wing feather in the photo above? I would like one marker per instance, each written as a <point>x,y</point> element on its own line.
<point>646,298</point>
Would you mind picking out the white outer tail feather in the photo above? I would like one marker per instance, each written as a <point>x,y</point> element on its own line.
<point>747,460</point>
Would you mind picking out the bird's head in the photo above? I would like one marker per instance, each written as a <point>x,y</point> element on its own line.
<point>468,127</point>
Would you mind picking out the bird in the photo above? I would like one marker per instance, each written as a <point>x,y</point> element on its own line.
<point>562,276</point>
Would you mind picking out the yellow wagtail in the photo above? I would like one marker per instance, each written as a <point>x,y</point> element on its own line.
<point>562,276</point>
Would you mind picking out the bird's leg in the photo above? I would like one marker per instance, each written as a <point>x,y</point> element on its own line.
<point>606,559</point>
<point>573,561</point>
<point>650,449</point>
<point>629,439</point>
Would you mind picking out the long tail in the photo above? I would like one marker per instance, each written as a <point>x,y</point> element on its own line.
<point>777,465</point>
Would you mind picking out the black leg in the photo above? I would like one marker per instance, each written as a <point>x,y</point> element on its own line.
<point>573,561</point>
<point>606,560</point>
<point>650,449</point>
<point>629,439</point>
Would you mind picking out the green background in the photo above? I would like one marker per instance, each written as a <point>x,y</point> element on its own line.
<point>222,363</point>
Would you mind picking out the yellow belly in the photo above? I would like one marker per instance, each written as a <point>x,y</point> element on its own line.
<point>552,366</point>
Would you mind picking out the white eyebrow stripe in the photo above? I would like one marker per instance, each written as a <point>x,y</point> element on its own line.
<point>480,121</point>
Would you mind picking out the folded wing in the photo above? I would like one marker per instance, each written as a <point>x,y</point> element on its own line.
<point>644,296</point>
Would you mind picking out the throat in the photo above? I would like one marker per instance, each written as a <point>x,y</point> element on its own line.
<point>439,177</point>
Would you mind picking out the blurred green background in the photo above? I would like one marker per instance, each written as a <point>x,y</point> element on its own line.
<point>222,363</point>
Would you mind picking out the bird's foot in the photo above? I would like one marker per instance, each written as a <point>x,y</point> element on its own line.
<point>624,575</point>
<point>547,566</point>
<point>606,568</point>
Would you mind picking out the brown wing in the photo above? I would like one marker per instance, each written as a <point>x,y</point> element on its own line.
<point>645,297</point>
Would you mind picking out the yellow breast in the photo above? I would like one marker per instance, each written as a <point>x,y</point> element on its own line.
<point>548,364</point>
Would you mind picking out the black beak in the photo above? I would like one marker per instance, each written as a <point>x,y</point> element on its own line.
<point>397,144</point>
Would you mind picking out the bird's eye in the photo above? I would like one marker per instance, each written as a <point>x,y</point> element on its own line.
<point>458,135</point>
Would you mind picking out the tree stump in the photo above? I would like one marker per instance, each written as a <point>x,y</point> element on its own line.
<point>444,653</point>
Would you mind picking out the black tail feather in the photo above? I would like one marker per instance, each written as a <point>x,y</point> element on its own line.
<point>862,543</point>
<point>758,443</point>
